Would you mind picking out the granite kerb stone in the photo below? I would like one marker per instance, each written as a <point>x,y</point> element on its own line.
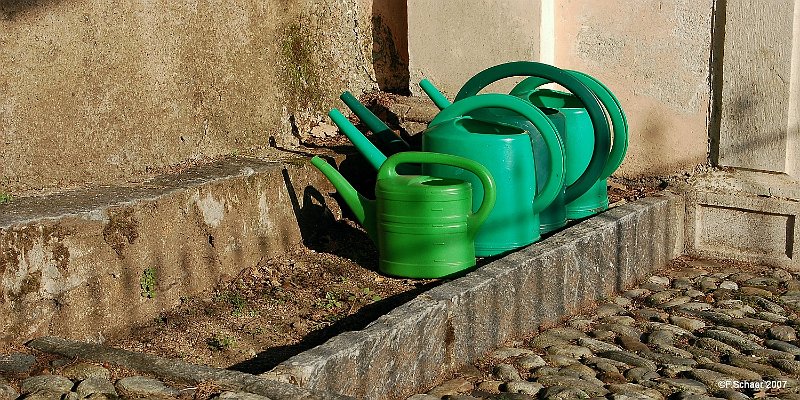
<point>459,321</point>
<point>395,351</point>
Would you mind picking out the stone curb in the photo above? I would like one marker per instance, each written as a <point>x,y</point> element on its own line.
<point>178,370</point>
<point>419,343</point>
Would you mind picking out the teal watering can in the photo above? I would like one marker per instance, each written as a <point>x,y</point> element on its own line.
<point>506,150</point>
<point>576,142</point>
<point>555,216</point>
<point>423,226</point>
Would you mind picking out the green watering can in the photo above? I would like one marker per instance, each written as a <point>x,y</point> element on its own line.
<point>584,174</point>
<point>423,226</point>
<point>577,141</point>
<point>504,149</point>
<point>553,216</point>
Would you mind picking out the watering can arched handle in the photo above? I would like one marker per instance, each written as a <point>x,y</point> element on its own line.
<point>602,132</point>
<point>389,170</point>
<point>546,128</point>
<point>619,121</point>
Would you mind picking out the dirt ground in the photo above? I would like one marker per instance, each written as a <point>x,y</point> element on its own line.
<point>292,303</point>
<point>280,307</point>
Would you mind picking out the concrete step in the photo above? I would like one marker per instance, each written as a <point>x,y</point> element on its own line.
<point>94,262</point>
<point>744,215</point>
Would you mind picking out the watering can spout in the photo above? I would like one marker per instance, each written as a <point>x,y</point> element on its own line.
<point>363,208</point>
<point>438,98</point>
<point>370,152</point>
<point>386,137</point>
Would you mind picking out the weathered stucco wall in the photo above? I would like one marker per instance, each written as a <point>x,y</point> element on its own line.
<point>757,111</point>
<point>655,57</point>
<point>450,41</point>
<point>94,92</point>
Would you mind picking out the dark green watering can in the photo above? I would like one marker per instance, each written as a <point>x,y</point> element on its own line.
<point>423,226</point>
<point>586,174</point>
<point>577,141</point>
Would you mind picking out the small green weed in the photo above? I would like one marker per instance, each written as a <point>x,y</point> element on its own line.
<point>221,341</point>
<point>148,283</point>
<point>5,197</point>
<point>236,300</point>
<point>160,320</point>
<point>330,301</point>
<point>365,294</point>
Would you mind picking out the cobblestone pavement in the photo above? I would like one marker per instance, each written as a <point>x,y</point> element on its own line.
<point>83,380</point>
<point>699,330</point>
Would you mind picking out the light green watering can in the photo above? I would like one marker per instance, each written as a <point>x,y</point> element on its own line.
<point>423,226</point>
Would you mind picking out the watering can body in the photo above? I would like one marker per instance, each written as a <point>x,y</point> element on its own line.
<point>423,226</point>
<point>506,151</point>
<point>584,175</point>
<point>554,216</point>
<point>578,138</point>
<point>578,148</point>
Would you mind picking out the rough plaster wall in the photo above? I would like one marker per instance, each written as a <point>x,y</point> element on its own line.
<point>654,55</point>
<point>793,147</point>
<point>756,84</point>
<point>98,91</point>
<point>450,41</point>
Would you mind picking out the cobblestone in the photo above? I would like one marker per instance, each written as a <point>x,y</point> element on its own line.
<point>687,334</point>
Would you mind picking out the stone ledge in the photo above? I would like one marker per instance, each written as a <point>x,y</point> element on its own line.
<point>744,215</point>
<point>71,264</point>
<point>410,349</point>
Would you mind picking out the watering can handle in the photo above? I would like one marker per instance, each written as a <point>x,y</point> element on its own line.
<point>389,170</point>
<point>602,132</point>
<point>613,107</point>
<point>555,181</point>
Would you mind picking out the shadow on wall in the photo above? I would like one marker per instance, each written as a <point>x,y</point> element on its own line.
<point>10,8</point>
<point>390,45</point>
<point>741,149</point>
